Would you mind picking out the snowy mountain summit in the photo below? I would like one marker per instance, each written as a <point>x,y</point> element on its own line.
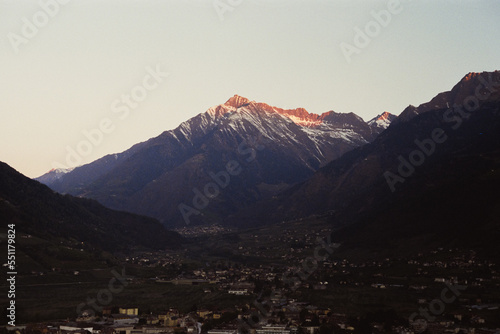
<point>382,121</point>
<point>239,114</point>
<point>54,175</point>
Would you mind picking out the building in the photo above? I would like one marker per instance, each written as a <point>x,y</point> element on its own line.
<point>134,311</point>
<point>273,329</point>
<point>123,319</point>
<point>222,331</point>
<point>238,292</point>
<point>65,329</point>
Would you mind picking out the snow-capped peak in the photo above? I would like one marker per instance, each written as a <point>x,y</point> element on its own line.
<point>299,116</point>
<point>383,120</point>
<point>61,170</point>
<point>239,112</point>
<point>53,175</point>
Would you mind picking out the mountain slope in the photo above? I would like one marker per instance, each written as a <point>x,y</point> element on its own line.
<point>171,177</point>
<point>433,177</point>
<point>75,222</point>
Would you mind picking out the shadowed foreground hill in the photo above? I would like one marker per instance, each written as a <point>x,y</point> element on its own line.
<point>37,210</point>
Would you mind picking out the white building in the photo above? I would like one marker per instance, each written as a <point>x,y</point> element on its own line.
<point>273,329</point>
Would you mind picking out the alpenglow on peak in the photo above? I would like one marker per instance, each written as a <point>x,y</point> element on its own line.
<point>237,101</point>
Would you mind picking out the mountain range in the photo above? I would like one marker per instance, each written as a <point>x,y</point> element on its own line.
<point>428,177</point>
<point>182,176</point>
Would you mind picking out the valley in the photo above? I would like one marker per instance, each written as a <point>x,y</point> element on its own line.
<point>283,271</point>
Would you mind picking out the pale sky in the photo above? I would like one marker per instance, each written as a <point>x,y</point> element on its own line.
<point>64,69</point>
